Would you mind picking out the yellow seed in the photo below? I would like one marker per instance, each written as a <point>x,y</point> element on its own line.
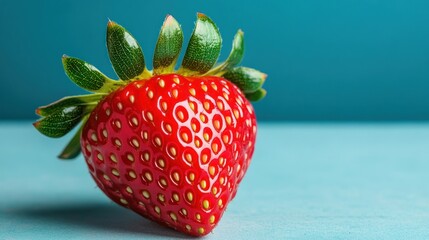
<point>146,156</point>
<point>135,121</point>
<point>175,93</point>
<point>148,176</point>
<point>221,180</point>
<point>188,227</point>
<point>212,219</point>
<point>206,137</point>
<point>113,158</point>
<point>130,157</point>
<point>132,174</point>
<point>123,201</point>
<point>225,95</point>
<point>88,147</point>
<point>146,194</point>
<point>105,133</point>
<point>180,115</point>
<point>176,197</point>
<point>192,106</point>
<point>100,157</point>
<point>203,184</point>
<point>118,124</point>
<point>221,160</point>
<point>203,118</point>
<point>204,158</point>
<point>149,116</point>
<point>215,147</point>
<point>194,127</point>
<point>157,210</point>
<point>214,190</point>
<point>173,151</point>
<point>197,143</point>
<point>192,91</point>
<point>176,80</point>
<point>188,157</point>
<point>168,128</point>
<point>176,176</point>
<point>204,87</point>
<point>225,139</point>
<point>191,176</point>
<point>129,190</point>
<point>214,86</point>
<point>220,105</point>
<point>228,120</point>
<point>108,112</point>
<point>106,177</point>
<point>161,163</point>
<point>212,170</point>
<point>119,105</point>
<point>115,172</point>
<point>206,204</point>
<point>94,137</point>
<point>135,143</point>
<point>201,230</point>
<point>173,216</point>
<point>198,216</point>
<point>163,182</point>
<point>184,212</point>
<point>118,142</point>
<point>190,196</point>
<point>185,137</point>
<point>161,83</point>
<point>236,113</point>
<point>220,202</point>
<point>216,124</point>
<point>150,94</point>
<point>161,197</point>
<point>158,141</point>
<point>164,106</point>
<point>206,106</point>
<point>145,135</point>
<point>132,98</point>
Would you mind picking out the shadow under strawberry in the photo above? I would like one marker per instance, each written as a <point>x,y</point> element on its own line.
<point>105,216</point>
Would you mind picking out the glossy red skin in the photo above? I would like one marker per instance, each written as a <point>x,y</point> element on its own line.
<point>143,133</point>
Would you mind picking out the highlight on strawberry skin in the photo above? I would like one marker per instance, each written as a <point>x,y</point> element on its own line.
<point>170,143</point>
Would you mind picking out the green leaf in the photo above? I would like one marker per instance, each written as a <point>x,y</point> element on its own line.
<point>247,79</point>
<point>125,53</point>
<point>168,46</point>
<point>68,102</point>
<point>61,122</point>
<point>72,149</point>
<point>86,75</point>
<point>203,48</point>
<point>256,96</point>
<point>235,56</point>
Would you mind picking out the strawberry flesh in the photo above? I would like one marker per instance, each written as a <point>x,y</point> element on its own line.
<point>172,148</point>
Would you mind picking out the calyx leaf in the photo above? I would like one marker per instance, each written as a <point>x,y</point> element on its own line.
<point>247,79</point>
<point>125,53</point>
<point>203,48</point>
<point>168,47</point>
<point>86,75</point>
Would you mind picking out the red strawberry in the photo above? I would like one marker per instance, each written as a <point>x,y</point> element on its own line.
<point>171,147</point>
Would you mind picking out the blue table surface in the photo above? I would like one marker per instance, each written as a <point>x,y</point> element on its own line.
<point>306,181</point>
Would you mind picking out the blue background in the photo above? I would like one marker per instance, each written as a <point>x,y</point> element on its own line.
<point>326,60</point>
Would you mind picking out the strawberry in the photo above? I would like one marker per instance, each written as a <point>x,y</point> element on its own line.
<point>170,145</point>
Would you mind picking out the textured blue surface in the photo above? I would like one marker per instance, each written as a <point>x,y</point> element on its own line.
<point>336,59</point>
<point>307,181</point>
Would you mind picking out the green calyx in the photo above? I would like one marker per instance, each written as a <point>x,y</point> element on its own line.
<point>127,59</point>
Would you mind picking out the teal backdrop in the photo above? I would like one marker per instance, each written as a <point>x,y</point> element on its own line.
<point>335,60</point>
